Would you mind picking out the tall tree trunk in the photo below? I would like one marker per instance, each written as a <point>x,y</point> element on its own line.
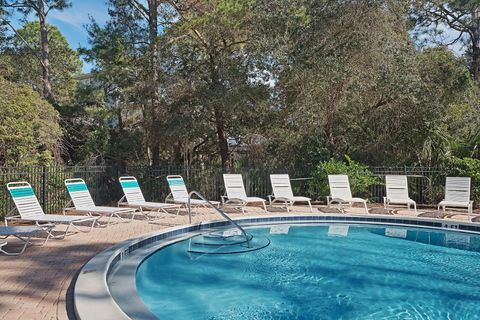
<point>47,88</point>
<point>217,90</point>
<point>153,140</point>
<point>222,141</point>
<point>476,43</point>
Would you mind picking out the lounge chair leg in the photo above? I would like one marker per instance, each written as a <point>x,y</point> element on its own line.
<point>366,208</point>
<point>66,230</point>
<point>310,205</point>
<point>49,233</point>
<point>265,207</point>
<point>93,224</point>
<point>26,243</point>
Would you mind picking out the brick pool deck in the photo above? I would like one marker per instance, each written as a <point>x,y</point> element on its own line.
<point>39,283</point>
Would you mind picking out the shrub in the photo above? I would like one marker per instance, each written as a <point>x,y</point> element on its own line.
<point>360,176</point>
<point>29,129</point>
<point>467,167</point>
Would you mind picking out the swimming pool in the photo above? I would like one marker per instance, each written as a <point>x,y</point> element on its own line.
<point>337,271</point>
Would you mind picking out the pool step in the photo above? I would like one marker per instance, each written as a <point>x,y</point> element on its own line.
<point>229,244</point>
<point>220,240</point>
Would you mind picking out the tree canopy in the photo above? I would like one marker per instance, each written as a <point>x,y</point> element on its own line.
<point>287,83</point>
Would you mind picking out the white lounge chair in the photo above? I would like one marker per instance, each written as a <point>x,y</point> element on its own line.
<point>457,194</point>
<point>29,209</point>
<point>23,233</point>
<point>179,194</point>
<point>236,194</point>
<point>82,202</point>
<point>133,197</point>
<point>340,192</point>
<point>283,194</point>
<point>397,192</point>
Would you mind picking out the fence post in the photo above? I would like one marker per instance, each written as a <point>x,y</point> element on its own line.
<point>44,188</point>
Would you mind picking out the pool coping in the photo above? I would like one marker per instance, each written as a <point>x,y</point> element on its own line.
<point>92,297</point>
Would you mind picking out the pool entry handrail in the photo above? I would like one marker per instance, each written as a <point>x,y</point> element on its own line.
<point>220,211</point>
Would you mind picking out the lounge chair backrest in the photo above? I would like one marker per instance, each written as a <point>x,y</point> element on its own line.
<point>281,186</point>
<point>339,186</point>
<point>234,186</point>
<point>177,188</point>
<point>457,189</point>
<point>131,189</point>
<point>25,200</point>
<point>79,193</point>
<point>397,187</point>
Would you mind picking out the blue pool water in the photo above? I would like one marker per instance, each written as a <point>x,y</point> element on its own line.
<point>320,272</point>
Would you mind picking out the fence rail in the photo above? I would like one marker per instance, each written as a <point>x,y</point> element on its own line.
<point>425,183</point>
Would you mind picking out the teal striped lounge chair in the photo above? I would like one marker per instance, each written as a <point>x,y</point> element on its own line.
<point>133,197</point>
<point>82,202</point>
<point>29,209</point>
<point>179,194</point>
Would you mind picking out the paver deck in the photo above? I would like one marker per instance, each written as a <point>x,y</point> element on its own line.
<point>39,283</point>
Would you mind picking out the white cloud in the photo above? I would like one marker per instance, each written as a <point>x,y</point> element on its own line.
<point>80,11</point>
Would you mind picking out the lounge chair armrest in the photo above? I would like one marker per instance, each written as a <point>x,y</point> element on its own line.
<point>234,202</point>
<point>121,201</point>
<point>12,218</point>
<point>224,199</point>
<point>68,207</point>
<point>169,198</point>
<point>280,199</point>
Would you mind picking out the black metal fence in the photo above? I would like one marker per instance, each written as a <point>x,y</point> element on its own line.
<point>425,183</point>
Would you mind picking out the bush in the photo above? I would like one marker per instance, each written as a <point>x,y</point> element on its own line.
<point>360,176</point>
<point>467,167</point>
<point>29,128</point>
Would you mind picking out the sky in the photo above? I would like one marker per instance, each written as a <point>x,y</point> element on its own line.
<point>72,21</point>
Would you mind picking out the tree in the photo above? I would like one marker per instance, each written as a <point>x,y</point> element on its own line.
<point>29,129</point>
<point>352,82</point>
<point>289,82</point>
<point>41,8</point>
<point>462,16</point>
<point>64,62</point>
<point>135,28</point>
<point>214,37</point>
<point>150,14</point>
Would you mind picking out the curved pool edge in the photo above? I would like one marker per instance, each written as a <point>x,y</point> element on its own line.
<point>93,300</point>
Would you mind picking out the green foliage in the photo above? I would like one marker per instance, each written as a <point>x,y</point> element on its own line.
<point>360,176</point>
<point>285,83</point>
<point>29,129</point>
<point>95,133</point>
<point>467,167</point>
<point>26,68</point>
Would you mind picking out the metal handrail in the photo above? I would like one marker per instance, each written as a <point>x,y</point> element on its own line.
<point>221,212</point>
